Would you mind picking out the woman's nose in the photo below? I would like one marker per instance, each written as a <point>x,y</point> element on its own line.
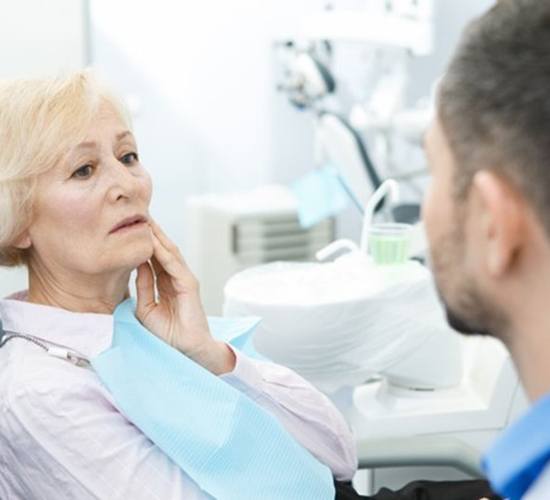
<point>122,182</point>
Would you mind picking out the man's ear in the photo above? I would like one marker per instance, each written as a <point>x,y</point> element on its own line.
<point>502,220</point>
<point>23,241</point>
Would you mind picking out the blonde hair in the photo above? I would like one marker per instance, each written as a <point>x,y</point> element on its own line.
<point>40,120</point>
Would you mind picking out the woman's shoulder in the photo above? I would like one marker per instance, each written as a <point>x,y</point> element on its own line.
<point>26,366</point>
<point>30,378</point>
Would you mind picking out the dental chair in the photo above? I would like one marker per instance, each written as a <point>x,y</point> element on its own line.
<point>398,427</point>
<point>434,400</point>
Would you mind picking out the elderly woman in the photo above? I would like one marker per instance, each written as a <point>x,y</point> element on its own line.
<point>74,209</point>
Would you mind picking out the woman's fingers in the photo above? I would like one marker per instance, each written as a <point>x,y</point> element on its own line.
<point>164,240</point>
<point>178,316</point>
<point>169,262</point>
<point>168,244</point>
<point>172,274</point>
<point>145,287</point>
<point>157,266</point>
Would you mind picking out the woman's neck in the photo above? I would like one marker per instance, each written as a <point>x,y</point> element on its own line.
<point>78,293</point>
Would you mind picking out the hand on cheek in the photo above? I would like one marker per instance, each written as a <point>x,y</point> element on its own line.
<point>168,305</point>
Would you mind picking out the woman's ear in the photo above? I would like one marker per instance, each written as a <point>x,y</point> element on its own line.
<point>23,241</point>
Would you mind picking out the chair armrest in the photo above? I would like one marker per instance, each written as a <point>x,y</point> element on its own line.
<point>419,451</point>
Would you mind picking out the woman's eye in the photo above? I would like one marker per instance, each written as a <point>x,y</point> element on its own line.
<point>129,158</point>
<point>83,172</point>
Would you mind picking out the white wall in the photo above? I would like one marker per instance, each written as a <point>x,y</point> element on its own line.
<point>41,37</point>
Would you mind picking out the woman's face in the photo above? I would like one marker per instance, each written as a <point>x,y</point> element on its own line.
<point>80,203</point>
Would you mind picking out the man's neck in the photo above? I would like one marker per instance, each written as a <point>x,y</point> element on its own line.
<point>533,363</point>
<point>529,338</point>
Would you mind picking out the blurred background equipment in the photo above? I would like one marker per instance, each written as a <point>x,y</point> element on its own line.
<point>362,135</point>
<point>235,231</point>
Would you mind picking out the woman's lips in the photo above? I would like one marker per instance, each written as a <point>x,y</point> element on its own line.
<point>129,223</point>
<point>129,227</point>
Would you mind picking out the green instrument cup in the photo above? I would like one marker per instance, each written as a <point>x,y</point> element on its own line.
<point>389,243</point>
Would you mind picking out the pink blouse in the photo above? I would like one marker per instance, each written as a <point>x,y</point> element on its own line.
<point>62,435</point>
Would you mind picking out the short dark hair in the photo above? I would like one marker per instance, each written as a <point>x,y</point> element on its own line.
<point>494,100</point>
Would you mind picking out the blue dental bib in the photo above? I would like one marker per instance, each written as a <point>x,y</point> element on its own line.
<point>231,447</point>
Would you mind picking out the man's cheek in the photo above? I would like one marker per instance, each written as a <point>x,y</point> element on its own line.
<point>428,215</point>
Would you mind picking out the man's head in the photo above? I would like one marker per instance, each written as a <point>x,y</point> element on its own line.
<point>487,212</point>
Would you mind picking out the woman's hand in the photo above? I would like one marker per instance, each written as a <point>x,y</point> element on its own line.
<point>177,317</point>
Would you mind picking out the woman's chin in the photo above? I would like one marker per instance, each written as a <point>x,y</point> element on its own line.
<point>135,256</point>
